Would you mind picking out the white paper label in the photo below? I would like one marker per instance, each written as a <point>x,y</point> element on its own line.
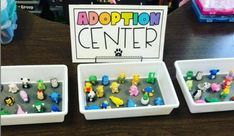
<point>117,33</point>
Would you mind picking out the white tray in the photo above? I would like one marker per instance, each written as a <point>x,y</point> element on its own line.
<point>11,74</point>
<point>112,70</point>
<point>182,66</point>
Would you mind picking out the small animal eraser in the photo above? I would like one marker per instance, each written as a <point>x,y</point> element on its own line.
<point>13,88</point>
<point>24,95</point>
<point>9,101</point>
<point>133,90</point>
<point>25,82</point>
<point>54,82</point>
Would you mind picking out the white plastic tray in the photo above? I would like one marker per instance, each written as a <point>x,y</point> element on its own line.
<point>112,70</point>
<point>11,74</point>
<point>182,66</point>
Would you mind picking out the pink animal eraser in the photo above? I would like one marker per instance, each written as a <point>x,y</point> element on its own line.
<point>20,110</point>
<point>133,90</point>
<point>215,87</point>
<point>24,96</point>
<point>200,101</point>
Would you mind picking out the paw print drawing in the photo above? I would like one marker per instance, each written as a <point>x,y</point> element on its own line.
<point>118,52</point>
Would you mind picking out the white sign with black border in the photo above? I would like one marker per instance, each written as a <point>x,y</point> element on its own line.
<point>117,33</point>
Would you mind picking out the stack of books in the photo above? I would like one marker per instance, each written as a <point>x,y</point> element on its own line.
<point>214,10</point>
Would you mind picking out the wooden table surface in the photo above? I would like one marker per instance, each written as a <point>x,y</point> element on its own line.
<point>38,41</point>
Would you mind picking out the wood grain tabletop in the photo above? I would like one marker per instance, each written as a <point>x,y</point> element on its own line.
<point>38,41</point>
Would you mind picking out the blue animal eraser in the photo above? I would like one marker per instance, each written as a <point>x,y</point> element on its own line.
<point>54,108</point>
<point>131,103</point>
<point>158,101</point>
<point>55,97</point>
<point>92,107</point>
